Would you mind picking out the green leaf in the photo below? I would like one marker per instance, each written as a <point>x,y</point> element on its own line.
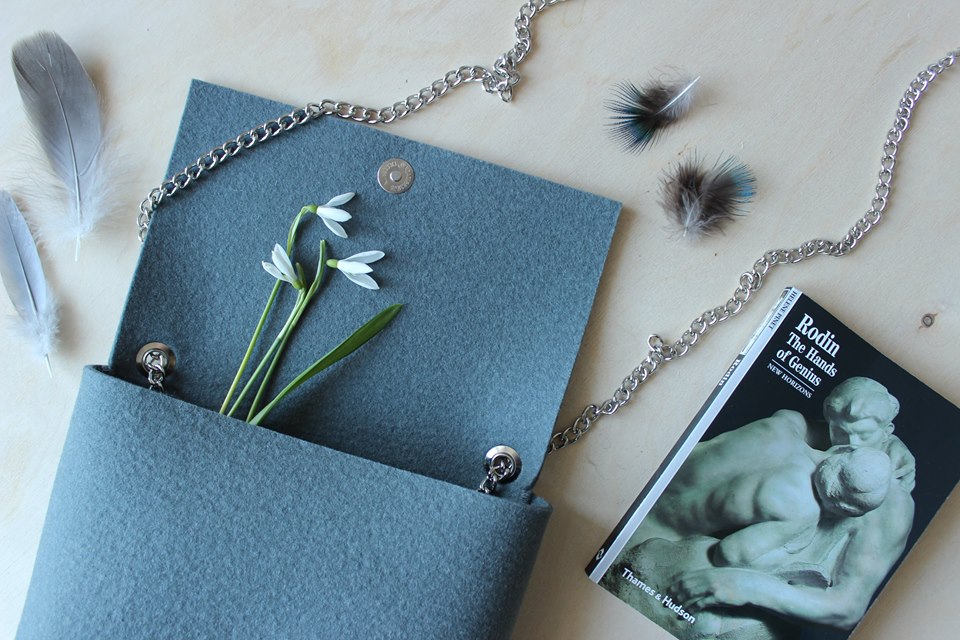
<point>356,340</point>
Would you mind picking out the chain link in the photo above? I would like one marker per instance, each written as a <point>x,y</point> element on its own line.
<point>154,363</point>
<point>661,352</point>
<point>500,79</point>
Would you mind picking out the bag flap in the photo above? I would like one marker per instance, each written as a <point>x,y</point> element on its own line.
<point>497,271</point>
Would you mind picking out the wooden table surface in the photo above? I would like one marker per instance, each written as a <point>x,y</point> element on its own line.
<point>803,92</point>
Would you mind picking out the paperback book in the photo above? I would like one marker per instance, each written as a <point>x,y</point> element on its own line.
<point>795,493</point>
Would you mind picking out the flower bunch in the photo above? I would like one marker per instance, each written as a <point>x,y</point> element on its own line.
<point>283,268</point>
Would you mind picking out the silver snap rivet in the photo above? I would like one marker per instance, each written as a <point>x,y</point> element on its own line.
<point>395,175</point>
<point>157,361</point>
<point>156,354</point>
<point>503,463</point>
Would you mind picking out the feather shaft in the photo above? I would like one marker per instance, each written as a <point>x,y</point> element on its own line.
<point>23,278</point>
<point>683,95</point>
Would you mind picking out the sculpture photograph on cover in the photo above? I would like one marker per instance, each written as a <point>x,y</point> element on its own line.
<point>777,524</point>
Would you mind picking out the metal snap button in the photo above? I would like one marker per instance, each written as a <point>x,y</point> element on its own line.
<point>395,175</point>
<point>502,465</point>
<point>503,462</point>
<point>157,360</point>
<point>156,354</point>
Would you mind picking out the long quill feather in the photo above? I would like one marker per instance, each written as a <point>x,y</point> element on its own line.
<point>23,278</point>
<point>64,108</point>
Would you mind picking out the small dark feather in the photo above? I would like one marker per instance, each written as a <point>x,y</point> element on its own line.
<point>702,200</point>
<point>641,113</point>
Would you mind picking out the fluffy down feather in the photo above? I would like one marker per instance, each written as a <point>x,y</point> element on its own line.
<point>702,200</point>
<point>641,113</point>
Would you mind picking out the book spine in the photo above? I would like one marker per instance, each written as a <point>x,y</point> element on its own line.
<point>628,524</point>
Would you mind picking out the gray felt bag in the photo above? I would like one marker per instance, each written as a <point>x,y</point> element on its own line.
<point>355,514</point>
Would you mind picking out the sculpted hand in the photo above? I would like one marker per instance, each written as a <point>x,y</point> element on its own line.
<point>715,587</point>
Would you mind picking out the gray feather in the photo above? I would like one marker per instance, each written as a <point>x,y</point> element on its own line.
<point>64,108</point>
<point>23,278</point>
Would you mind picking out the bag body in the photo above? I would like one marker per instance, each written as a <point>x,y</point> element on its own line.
<point>170,520</point>
<point>355,512</point>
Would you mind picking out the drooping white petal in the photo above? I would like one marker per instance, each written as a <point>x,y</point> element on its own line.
<point>343,198</point>
<point>348,266</point>
<point>334,227</point>
<point>366,257</point>
<point>272,270</point>
<point>362,279</point>
<point>282,260</point>
<point>330,213</point>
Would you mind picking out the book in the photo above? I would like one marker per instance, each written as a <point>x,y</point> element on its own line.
<point>794,494</point>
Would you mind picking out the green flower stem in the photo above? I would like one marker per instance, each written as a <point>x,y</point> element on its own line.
<point>320,268</point>
<point>356,340</point>
<point>275,361</point>
<point>295,225</point>
<point>266,357</point>
<point>291,240</point>
<point>253,342</point>
<point>268,377</point>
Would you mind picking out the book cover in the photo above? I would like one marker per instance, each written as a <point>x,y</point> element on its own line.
<point>795,493</point>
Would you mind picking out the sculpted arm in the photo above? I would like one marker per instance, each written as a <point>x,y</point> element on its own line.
<point>904,464</point>
<point>752,543</point>
<point>873,548</point>
<point>730,587</point>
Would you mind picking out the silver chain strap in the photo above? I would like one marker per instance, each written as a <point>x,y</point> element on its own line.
<point>661,352</point>
<point>500,79</point>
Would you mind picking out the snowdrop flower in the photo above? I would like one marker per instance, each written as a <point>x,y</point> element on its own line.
<point>357,266</point>
<point>331,216</point>
<point>282,268</point>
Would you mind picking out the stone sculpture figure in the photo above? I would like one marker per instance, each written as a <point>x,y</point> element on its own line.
<point>762,529</point>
